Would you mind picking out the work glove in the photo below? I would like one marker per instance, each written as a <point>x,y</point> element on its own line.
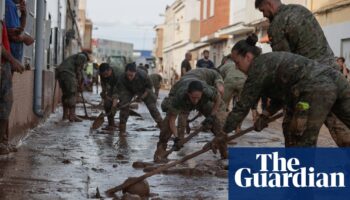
<point>114,102</point>
<point>208,121</point>
<point>261,122</point>
<point>220,143</point>
<point>139,99</point>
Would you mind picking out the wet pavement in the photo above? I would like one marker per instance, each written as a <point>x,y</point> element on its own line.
<point>60,160</point>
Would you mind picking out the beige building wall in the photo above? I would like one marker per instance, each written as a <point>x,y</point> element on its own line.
<point>181,29</point>
<point>334,17</point>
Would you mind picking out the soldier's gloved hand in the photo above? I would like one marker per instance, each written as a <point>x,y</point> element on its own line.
<point>208,121</point>
<point>261,122</point>
<point>220,143</point>
<point>139,99</point>
<point>115,102</point>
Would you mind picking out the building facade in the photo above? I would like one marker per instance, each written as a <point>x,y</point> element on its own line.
<point>180,31</point>
<point>333,16</point>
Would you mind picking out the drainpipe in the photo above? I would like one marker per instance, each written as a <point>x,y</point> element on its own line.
<point>39,57</point>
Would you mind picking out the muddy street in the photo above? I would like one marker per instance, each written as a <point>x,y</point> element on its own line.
<point>60,160</point>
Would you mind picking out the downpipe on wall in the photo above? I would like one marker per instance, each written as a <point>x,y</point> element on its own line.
<point>39,57</point>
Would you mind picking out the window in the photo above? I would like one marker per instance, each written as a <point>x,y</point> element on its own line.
<point>212,8</point>
<point>205,9</point>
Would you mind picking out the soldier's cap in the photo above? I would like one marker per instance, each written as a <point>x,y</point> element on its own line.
<point>130,67</point>
<point>104,67</point>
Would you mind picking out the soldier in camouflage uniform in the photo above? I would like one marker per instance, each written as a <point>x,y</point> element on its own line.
<point>109,80</point>
<point>210,77</point>
<point>136,82</point>
<point>233,80</point>
<point>156,81</point>
<point>312,90</point>
<point>70,78</point>
<point>294,28</point>
<point>190,94</point>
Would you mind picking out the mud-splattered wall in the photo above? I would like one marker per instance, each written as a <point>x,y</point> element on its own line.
<point>22,116</point>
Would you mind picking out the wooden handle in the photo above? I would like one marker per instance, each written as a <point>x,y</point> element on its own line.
<point>206,148</point>
<point>185,140</point>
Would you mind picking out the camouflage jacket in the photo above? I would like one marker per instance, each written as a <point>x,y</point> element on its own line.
<point>156,80</point>
<point>137,86</point>
<point>274,75</point>
<point>295,29</point>
<point>208,76</point>
<point>230,73</point>
<point>109,85</point>
<point>74,66</point>
<point>181,102</point>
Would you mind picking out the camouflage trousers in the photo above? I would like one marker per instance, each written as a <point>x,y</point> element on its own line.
<point>69,87</point>
<point>232,91</point>
<point>107,104</point>
<point>219,121</point>
<point>6,94</point>
<point>150,101</point>
<point>156,91</point>
<point>329,102</point>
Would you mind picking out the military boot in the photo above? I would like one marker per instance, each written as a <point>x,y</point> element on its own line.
<point>72,116</point>
<point>65,113</point>
<point>160,154</point>
<point>122,129</point>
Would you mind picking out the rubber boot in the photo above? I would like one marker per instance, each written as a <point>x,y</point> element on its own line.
<point>177,144</point>
<point>111,125</point>
<point>122,129</point>
<point>65,113</point>
<point>72,116</point>
<point>160,154</point>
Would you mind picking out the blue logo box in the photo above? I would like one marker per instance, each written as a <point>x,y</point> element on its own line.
<point>289,173</point>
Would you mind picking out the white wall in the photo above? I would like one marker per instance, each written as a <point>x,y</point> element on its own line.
<point>243,11</point>
<point>334,34</point>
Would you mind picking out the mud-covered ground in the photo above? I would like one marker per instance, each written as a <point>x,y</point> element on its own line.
<point>61,160</point>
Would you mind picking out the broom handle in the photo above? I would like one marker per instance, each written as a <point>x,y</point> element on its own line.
<point>206,148</point>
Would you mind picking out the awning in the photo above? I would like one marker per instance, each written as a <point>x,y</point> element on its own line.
<point>236,29</point>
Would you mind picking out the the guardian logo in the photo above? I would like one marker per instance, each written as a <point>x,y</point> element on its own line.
<point>279,172</point>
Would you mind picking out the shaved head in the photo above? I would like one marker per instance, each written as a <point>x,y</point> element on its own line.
<point>259,2</point>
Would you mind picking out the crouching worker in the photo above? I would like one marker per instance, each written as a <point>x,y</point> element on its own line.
<point>70,79</point>
<point>132,83</point>
<point>191,94</point>
<point>109,80</point>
